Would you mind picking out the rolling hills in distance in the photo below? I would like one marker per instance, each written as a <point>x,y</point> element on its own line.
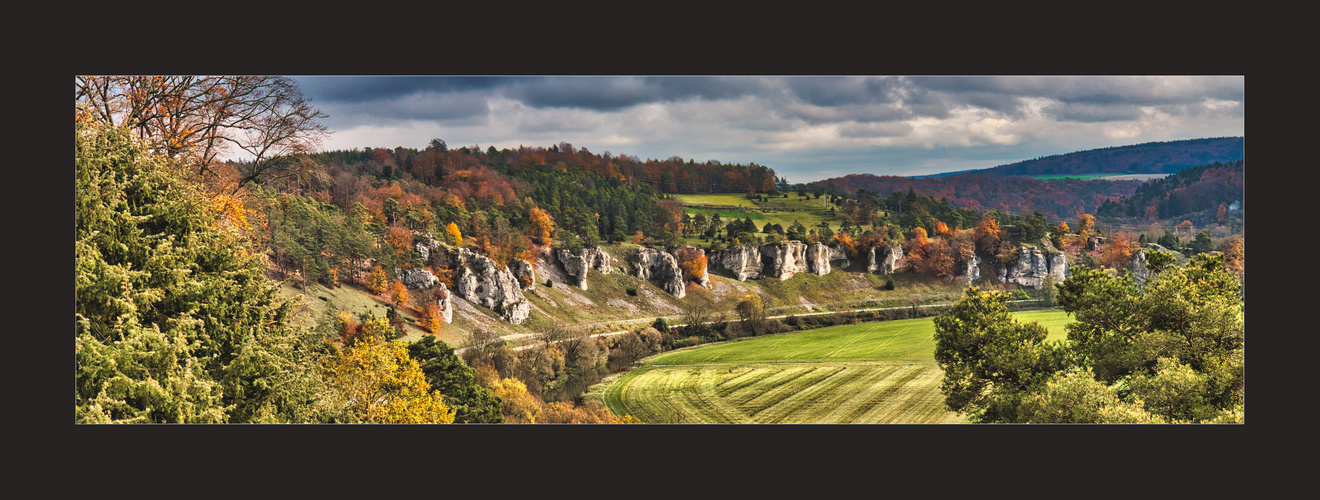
<point>1060,186</point>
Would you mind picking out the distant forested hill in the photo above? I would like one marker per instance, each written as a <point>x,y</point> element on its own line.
<point>1148,158</point>
<point>1196,189</point>
<point>1059,198</point>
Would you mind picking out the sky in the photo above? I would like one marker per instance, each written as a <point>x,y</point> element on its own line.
<point>806,128</point>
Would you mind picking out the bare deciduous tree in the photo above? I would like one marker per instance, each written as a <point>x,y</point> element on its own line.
<point>264,121</point>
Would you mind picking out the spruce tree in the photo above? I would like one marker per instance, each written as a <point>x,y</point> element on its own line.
<point>175,320</point>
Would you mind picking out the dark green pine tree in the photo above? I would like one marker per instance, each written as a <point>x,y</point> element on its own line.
<point>448,375</point>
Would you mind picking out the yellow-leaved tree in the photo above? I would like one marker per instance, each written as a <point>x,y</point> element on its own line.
<point>382,384</point>
<point>455,236</point>
<point>519,406</point>
<point>542,226</point>
<point>379,281</point>
<point>399,293</point>
<point>431,319</point>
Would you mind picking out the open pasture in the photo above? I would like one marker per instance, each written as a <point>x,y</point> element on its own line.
<point>868,373</point>
<point>782,211</point>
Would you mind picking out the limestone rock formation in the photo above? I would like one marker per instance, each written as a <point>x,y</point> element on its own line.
<point>778,260</point>
<point>417,278</point>
<point>445,300</point>
<point>479,280</point>
<point>743,262</point>
<point>783,260</point>
<point>1058,267</point>
<point>885,260</point>
<point>838,254</point>
<point>662,268</point>
<point>1140,273</point>
<point>425,250</point>
<point>523,271</point>
<point>971,271</point>
<point>1033,265</point>
<point>577,265</point>
<point>818,258</point>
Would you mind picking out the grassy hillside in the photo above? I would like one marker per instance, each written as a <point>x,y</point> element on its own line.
<point>868,373</point>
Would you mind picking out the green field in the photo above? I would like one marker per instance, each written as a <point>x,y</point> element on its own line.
<point>868,373</point>
<point>810,212</point>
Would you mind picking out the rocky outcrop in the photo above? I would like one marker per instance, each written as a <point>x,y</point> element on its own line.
<point>480,281</point>
<point>778,260</point>
<point>417,278</point>
<point>818,258</point>
<point>971,271</point>
<point>885,260</point>
<point>445,300</point>
<point>424,250</point>
<point>1058,267</point>
<point>1033,265</point>
<point>783,260</point>
<point>660,267</point>
<point>839,255</point>
<point>523,272</point>
<point>577,265</point>
<point>1140,273</point>
<point>743,262</point>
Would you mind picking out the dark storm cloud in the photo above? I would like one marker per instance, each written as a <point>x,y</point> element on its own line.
<point>614,93</point>
<point>355,89</point>
<point>1092,113</point>
<point>844,90</point>
<point>999,93</point>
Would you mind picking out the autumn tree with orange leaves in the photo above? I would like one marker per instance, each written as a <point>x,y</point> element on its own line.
<point>1086,227</point>
<point>542,226</point>
<point>1118,251</point>
<point>378,281</point>
<point>987,234</point>
<point>399,293</point>
<point>693,263</point>
<point>942,229</point>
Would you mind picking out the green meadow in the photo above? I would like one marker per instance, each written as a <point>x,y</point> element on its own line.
<point>867,373</point>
